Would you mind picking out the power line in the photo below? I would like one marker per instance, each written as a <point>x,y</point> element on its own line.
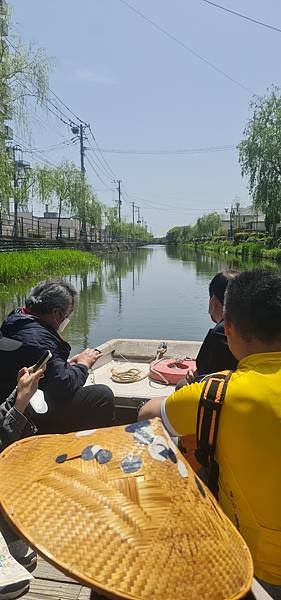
<point>100,151</point>
<point>67,107</point>
<point>59,114</point>
<point>54,94</point>
<point>97,174</point>
<point>169,152</point>
<point>105,171</point>
<point>37,153</point>
<point>183,45</point>
<point>149,205</point>
<point>237,14</point>
<point>48,126</point>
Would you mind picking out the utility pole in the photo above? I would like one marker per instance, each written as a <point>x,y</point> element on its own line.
<point>15,199</point>
<point>133,207</point>
<point>79,130</point>
<point>20,172</point>
<point>139,219</point>
<point>82,147</point>
<point>142,221</point>
<point>119,200</point>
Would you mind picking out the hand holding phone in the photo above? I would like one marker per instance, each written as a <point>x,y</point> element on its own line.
<point>42,361</point>
<point>26,387</point>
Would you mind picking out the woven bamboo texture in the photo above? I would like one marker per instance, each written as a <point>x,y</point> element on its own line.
<point>148,535</point>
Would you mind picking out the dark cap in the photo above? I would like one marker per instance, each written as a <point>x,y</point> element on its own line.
<point>8,345</point>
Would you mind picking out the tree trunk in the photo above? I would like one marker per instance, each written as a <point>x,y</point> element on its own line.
<point>59,218</point>
<point>15,219</point>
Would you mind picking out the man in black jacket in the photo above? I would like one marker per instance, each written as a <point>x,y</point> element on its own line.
<point>214,354</point>
<point>38,326</point>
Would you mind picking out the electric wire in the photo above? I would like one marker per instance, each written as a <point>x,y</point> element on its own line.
<point>166,152</point>
<point>100,151</point>
<point>101,165</point>
<point>26,147</point>
<point>97,174</point>
<point>172,37</point>
<point>237,14</point>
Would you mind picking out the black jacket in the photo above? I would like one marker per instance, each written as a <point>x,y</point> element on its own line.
<point>61,381</point>
<point>214,354</point>
<point>13,424</point>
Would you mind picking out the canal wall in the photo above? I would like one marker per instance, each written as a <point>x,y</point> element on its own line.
<point>16,245</point>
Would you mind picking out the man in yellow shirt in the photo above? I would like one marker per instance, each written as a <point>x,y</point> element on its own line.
<point>248,449</point>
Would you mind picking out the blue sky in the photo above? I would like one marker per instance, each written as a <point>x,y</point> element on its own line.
<point>143,92</point>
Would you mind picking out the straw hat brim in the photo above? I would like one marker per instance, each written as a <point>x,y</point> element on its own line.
<point>153,534</point>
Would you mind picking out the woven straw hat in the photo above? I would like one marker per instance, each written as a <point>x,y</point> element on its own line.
<point>120,511</point>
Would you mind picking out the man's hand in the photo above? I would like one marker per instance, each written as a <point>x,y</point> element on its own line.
<point>151,409</point>
<point>26,387</point>
<point>191,375</point>
<point>87,358</point>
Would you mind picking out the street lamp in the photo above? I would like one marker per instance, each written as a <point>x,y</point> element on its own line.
<point>21,169</point>
<point>232,215</point>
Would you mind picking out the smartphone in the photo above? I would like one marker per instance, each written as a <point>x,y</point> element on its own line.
<point>42,361</point>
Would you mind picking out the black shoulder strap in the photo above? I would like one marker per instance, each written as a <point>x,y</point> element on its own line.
<point>209,408</point>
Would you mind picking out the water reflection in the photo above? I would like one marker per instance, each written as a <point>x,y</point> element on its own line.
<point>154,292</point>
<point>209,263</point>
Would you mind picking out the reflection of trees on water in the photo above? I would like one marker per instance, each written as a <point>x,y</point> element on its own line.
<point>208,264</point>
<point>90,298</point>
<point>12,296</point>
<point>92,288</point>
<point>115,268</point>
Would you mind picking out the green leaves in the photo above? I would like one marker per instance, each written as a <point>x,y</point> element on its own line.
<point>260,155</point>
<point>207,225</point>
<point>6,179</point>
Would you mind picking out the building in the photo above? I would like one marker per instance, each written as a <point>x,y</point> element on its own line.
<point>239,218</point>
<point>29,225</point>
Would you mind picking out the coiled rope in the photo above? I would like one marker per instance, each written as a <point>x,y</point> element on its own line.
<point>134,374</point>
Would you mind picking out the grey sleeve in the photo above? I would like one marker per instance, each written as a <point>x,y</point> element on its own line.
<point>13,424</point>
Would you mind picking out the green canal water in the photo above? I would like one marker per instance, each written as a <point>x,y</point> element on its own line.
<point>155,292</point>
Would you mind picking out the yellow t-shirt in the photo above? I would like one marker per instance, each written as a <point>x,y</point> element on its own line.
<point>248,452</point>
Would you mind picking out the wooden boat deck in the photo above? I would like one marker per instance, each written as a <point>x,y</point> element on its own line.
<point>51,584</point>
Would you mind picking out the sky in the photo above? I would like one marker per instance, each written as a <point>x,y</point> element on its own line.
<point>143,93</point>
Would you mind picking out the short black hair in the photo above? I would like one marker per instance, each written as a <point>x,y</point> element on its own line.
<point>49,294</point>
<point>253,305</point>
<point>219,284</point>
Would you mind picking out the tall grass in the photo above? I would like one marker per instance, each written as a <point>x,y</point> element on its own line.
<point>248,250</point>
<point>16,266</point>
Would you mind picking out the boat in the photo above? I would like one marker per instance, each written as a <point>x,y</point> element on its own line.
<point>121,355</point>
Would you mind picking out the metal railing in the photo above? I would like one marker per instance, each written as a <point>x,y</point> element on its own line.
<point>34,228</point>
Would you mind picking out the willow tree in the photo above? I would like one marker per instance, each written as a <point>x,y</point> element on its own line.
<point>24,73</point>
<point>68,189</point>
<point>84,202</point>
<point>57,185</point>
<point>111,220</point>
<point>260,158</point>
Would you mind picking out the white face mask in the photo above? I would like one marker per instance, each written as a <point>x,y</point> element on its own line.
<point>63,324</point>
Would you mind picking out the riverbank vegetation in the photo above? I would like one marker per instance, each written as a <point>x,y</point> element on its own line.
<point>257,234</point>
<point>245,245</point>
<point>16,266</point>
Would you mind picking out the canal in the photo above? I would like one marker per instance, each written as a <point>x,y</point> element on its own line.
<point>155,292</point>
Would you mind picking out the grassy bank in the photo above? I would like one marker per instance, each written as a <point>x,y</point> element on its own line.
<point>16,266</point>
<point>252,247</point>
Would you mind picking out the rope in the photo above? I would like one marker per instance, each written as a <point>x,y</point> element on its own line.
<point>130,376</point>
<point>134,374</point>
